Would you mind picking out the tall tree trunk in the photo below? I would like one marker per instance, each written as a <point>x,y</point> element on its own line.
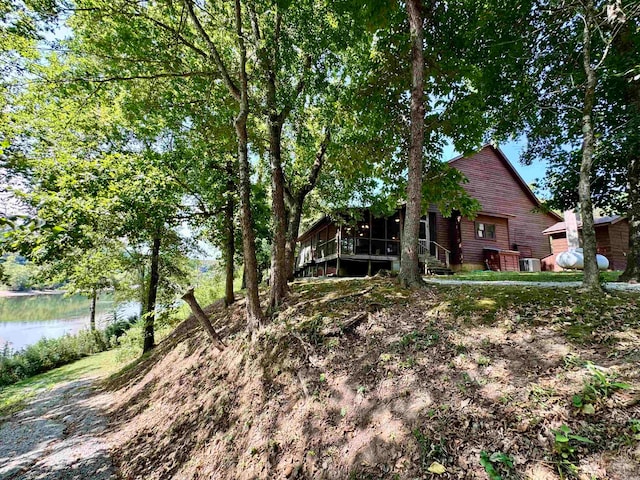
<point>254,312</point>
<point>143,287</point>
<point>591,272</point>
<point>92,309</point>
<point>240,92</point>
<point>294,201</point>
<point>278,280</point>
<point>150,314</point>
<point>632,271</point>
<point>409,268</point>
<point>230,243</point>
<point>293,229</point>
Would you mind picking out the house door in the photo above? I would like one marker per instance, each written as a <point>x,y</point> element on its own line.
<point>424,240</point>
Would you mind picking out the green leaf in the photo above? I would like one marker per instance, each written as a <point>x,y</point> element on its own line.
<point>580,439</point>
<point>621,385</point>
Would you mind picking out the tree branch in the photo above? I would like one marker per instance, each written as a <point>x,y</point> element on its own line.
<point>233,88</point>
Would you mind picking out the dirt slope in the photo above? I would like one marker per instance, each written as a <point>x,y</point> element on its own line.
<point>425,381</point>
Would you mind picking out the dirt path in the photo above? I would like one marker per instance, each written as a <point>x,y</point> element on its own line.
<point>59,435</point>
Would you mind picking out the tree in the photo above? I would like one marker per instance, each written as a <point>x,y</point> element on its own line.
<point>93,177</point>
<point>613,181</point>
<point>569,45</point>
<point>409,272</point>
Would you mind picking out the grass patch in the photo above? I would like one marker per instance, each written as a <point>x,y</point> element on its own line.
<point>489,276</point>
<point>14,397</point>
<point>581,317</point>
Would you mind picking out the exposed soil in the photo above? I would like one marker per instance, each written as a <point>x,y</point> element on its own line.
<point>426,380</point>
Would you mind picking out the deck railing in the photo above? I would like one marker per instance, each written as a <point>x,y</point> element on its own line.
<point>366,246</point>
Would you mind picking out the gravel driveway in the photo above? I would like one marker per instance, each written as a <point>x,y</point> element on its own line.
<point>58,436</point>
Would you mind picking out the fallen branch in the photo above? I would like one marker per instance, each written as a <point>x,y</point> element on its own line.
<point>346,326</point>
<point>190,298</point>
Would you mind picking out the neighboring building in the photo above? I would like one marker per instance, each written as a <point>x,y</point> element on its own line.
<point>507,228</point>
<point>612,239</point>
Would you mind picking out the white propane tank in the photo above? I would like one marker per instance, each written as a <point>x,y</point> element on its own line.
<point>574,259</point>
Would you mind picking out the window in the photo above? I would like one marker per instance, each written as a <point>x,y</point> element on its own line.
<point>485,231</point>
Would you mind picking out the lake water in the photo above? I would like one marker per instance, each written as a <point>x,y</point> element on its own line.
<point>26,319</point>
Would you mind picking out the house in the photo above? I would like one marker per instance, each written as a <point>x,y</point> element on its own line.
<point>507,228</point>
<point>612,240</point>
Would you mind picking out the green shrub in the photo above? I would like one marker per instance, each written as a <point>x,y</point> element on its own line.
<point>47,354</point>
<point>118,328</point>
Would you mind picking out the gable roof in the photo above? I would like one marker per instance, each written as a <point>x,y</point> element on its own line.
<point>561,226</point>
<point>514,173</point>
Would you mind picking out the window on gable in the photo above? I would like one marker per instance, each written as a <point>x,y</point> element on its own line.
<point>485,231</point>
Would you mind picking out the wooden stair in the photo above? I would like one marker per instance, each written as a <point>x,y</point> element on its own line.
<point>435,266</point>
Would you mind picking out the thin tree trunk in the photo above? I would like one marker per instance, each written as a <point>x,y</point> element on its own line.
<point>143,287</point>
<point>409,268</point>
<point>92,310</point>
<point>632,271</point>
<point>293,229</point>
<point>254,312</point>
<point>150,314</point>
<point>278,281</point>
<point>591,272</point>
<point>240,92</point>
<point>295,202</point>
<point>230,244</point>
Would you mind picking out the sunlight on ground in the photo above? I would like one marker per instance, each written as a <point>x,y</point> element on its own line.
<point>487,303</point>
<point>13,397</point>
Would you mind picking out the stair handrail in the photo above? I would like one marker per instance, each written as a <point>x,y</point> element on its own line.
<point>447,252</point>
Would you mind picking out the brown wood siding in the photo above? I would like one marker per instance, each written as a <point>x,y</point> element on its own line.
<point>602,241</point>
<point>493,184</point>
<point>442,231</point>
<point>619,238</point>
<point>559,243</point>
<point>473,248</point>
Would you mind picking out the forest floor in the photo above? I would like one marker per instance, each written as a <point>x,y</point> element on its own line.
<point>359,379</point>
<point>54,424</point>
<point>449,381</point>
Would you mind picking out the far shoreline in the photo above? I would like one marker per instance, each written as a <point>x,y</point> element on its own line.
<point>29,293</point>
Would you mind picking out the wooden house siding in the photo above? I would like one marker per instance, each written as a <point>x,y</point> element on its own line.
<point>612,241</point>
<point>559,243</point>
<point>619,238</point>
<point>602,241</point>
<point>473,248</point>
<point>499,190</point>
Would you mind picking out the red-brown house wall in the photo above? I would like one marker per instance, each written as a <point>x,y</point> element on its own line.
<point>619,238</point>
<point>496,188</point>
<point>473,248</point>
<point>559,243</point>
<point>442,231</point>
<point>603,242</point>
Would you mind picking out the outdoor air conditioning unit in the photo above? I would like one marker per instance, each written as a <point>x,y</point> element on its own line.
<point>530,265</point>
